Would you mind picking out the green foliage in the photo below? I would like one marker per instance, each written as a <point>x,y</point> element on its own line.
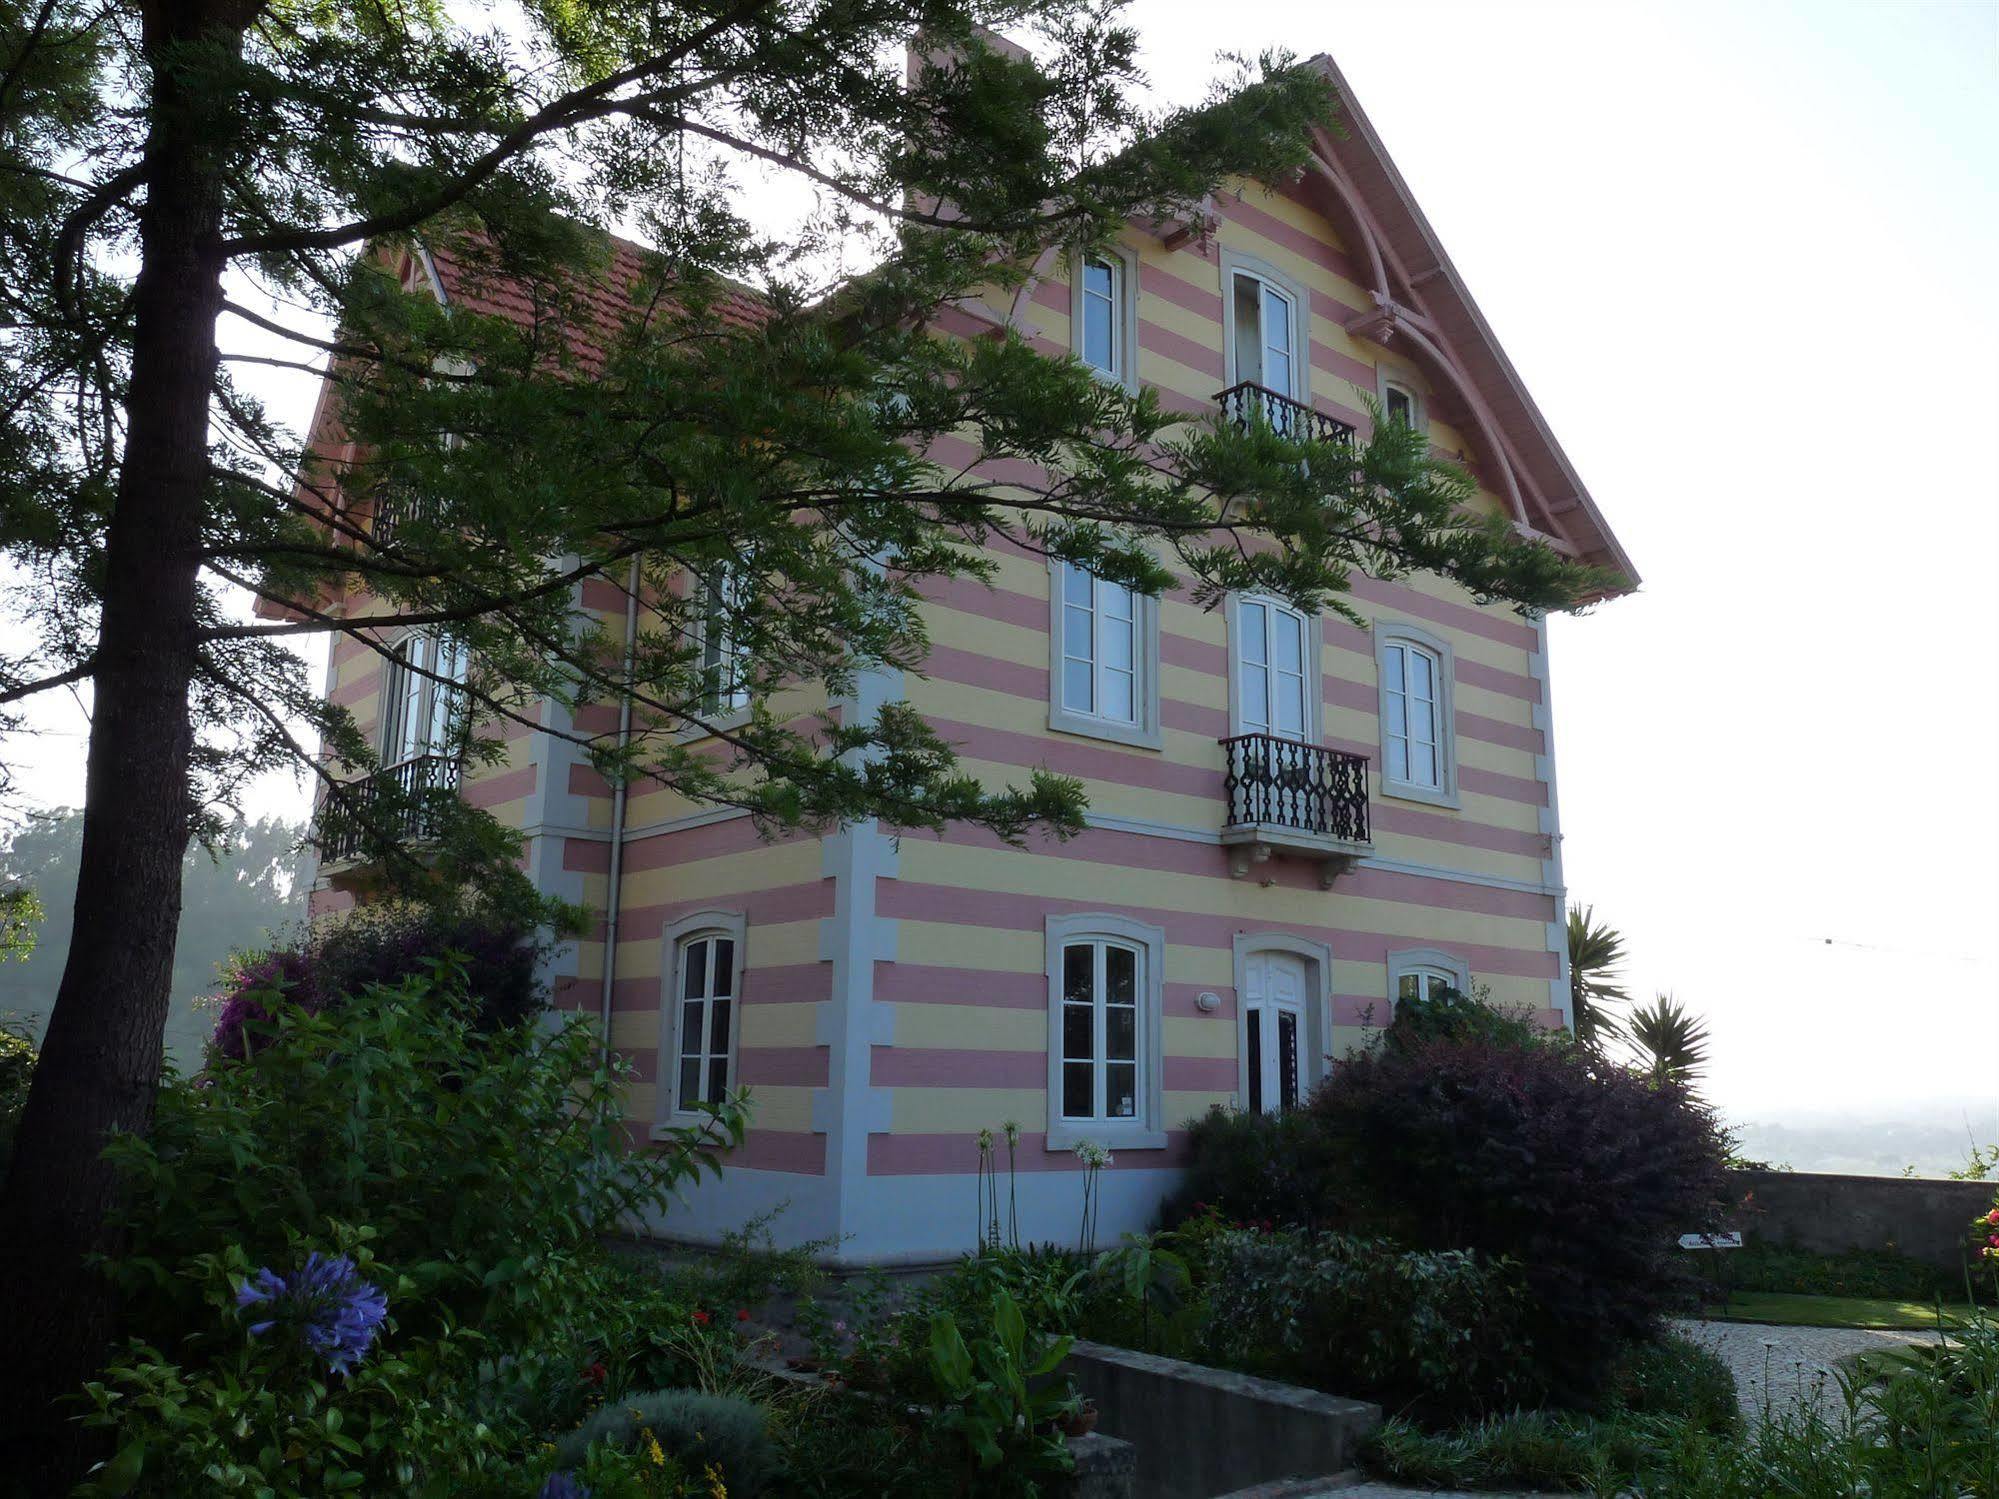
<point>696,1431</point>
<point>1443,1329</point>
<point>840,1447</point>
<point>1866,1274</point>
<point>219,1411</point>
<point>1256,1168</point>
<point>1581,1172</point>
<point>1596,988</point>
<point>470,1170</point>
<point>1910,1427</point>
<point>1671,1044</point>
<point>1448,1015</point>
<point>997,1400</point>
<point>17,1070</point>
<point>21,916</point>
<point>1674,1377</point>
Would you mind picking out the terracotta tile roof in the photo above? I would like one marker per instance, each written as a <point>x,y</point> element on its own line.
<point>606,296</point>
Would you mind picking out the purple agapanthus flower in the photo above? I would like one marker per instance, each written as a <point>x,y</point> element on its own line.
<point>563,1485</point>
<point>335,1312</point>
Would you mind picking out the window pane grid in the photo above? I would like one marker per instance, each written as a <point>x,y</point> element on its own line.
<point>1100,1036</point>
<point>1273,696</point>
<point>707,1010</point>
<point>1411,722</point>
<point>1099,647</point>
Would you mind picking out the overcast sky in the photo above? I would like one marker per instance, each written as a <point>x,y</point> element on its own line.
<point>1744,257</point>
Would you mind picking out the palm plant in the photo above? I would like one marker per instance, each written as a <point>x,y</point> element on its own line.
<point>1671,1044</point>
<point>1596,953</point>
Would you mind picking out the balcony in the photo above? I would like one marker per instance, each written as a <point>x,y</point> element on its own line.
<point>1242,404</point>
<point>393,508</point>
<point>1303,800</point>
<point>400,802</point>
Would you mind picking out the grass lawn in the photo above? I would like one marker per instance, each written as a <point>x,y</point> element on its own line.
<point>1830,1311</point>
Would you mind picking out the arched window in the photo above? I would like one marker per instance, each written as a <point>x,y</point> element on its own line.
<point>1104,1027</point>
<point>1425,973</point>
<point>1103,310</point>
<point>700,1023</point>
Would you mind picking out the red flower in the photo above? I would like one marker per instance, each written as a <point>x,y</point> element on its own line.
<point>701,1319</point>
<point>595,1374</point>
<point>1993,1216</point>
<point>742,1314</point>
<point>1267,1226</point>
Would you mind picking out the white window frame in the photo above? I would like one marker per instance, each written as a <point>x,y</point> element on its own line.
<point>1389,634</point>
<point>736,708</point>
<point>406,687</point>
<point>1147,1130</point>
<point>674,940</point>
<point>1313,631</point>
<point>1143,731</point>
<point>1234,263</point>
<point>1316,1043</point>
<point>1387,378</point>
<point>1123,263</point>
<point>1429,962</point>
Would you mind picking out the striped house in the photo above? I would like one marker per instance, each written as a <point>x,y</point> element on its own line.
<point>1293,821</point>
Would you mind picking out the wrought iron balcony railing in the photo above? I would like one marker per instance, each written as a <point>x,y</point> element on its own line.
<point>393,508</point>
<point>1242,404</point>
<point>1285,796</point>
<point>404,802</point>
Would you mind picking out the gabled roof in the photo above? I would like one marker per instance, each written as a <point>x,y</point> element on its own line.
<point>1422,302</point>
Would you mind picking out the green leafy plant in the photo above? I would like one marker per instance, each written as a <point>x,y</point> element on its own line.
<point>998,1398</point>
<point>472,1168</point>
<point>1671,1044</point>
<point>696,1430</point>
<point>1147,1273</point>
<point>1445,1329</point>
<point>1596,987</point>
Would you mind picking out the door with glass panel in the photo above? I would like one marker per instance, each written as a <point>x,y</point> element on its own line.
<point>1273,1024</point>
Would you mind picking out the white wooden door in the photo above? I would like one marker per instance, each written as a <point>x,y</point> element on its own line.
<point>1273,1023</point>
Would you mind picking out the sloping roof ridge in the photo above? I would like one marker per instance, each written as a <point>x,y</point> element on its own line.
<point>1404,204</point>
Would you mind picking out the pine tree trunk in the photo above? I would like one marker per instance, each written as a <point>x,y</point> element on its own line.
<point>100,1058</point>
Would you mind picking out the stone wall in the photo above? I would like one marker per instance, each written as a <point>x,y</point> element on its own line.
<point>1201,1432</point>
<point>1926,1220</point>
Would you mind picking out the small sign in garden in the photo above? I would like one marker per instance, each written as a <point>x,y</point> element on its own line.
<point>1730,1240</point>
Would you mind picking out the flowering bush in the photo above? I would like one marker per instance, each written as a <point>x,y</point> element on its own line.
<point>384,944</point>
<point>372,1248</point>
<point>1583,1173</point>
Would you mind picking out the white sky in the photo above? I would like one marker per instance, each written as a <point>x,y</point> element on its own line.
<point>1744,256</point>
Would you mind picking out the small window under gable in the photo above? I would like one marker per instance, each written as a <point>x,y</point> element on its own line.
<point>1398,405</point>
<point>1418,739</point>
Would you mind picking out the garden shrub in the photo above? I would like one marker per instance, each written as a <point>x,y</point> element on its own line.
<point>1675,1377</point>
<point>387,944</point>
<point>1872,1274</point>
<point>1448,1015</point>
<point>466,1172</point>
<point>17,1070</point>
<point>1361,1317</point>
<point>697,1431</point>
<point>1582,1173</point>
<point>1256,1168</point>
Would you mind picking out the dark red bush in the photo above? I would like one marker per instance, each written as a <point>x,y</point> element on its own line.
<point>1584,1173</point>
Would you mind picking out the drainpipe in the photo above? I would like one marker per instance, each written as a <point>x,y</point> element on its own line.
<point>613,897</point>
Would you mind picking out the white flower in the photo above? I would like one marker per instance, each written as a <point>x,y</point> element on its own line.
<point>1090,1153</point>
<point>1011,1129</point>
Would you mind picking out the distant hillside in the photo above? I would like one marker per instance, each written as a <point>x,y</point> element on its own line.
<point>1935,1138</point>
